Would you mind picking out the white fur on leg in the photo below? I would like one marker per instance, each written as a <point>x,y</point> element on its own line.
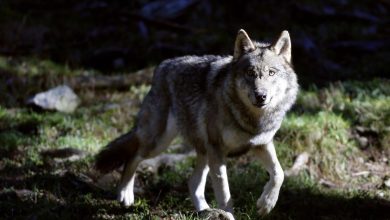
<point>270,194</point>
<point>197,183</point>
<point>221,188</point>
<point>126,194</point>
<point>126,187</point>
<point>269,197</point>
<point>220,183</point>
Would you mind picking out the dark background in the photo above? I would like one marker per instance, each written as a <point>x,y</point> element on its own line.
<point>332,40</point>
<point>343,126</point>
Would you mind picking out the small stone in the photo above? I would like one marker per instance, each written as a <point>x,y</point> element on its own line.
<point>363,141</point>
<point>360,159</point>
<point>213,214</point>
<point>387,182</point>
<point>25,194</point>
<point>380,194</point>
<point>61,98</point>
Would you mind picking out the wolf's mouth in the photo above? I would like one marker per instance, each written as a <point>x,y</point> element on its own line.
<point>262,104</point>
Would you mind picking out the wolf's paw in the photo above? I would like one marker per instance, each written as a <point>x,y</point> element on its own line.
<point>266,203</point>
<point>126,197</point>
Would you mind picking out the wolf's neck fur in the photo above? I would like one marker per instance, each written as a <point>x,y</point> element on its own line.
<point>249,118</point>
<point>245,115</point>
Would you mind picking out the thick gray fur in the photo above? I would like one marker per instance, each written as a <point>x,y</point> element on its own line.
<point>213,103</point>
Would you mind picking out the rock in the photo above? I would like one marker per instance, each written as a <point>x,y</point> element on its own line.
<point>363,142</point>
<point>61,98</point>
<point>213,214</point>
<point>386,182</point>
<point>24,194</point>
<point>380,194</point>
<point>360,160</point>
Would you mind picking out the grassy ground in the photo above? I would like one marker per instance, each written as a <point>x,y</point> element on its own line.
<point>343,126</point>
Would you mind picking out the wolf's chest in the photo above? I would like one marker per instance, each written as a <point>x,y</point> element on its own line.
<point>234,139</point>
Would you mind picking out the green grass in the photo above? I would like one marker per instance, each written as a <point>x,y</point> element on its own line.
<point>324,135</point>
<point>326,122</point>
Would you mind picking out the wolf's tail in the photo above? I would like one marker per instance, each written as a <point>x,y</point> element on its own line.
<point>117,152</point>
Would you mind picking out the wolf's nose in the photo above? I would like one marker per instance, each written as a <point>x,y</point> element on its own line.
<point>261,96</point>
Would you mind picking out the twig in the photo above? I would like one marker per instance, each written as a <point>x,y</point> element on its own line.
<point>299,164</point>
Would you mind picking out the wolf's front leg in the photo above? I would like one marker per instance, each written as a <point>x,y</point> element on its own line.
<point>197,183</point>
<point>270,194</point>
<point>220,182</point>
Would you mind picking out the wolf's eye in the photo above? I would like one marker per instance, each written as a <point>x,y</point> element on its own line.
<point>271,72</point>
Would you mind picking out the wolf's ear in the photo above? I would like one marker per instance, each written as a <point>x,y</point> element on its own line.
<point>282,46</point>
<point>242,45</point>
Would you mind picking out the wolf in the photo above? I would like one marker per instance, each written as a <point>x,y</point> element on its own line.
<point>222,106</point>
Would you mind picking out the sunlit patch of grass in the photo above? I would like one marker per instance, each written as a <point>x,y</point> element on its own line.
<point>89,128</point>
<point>325,136</point>
<point>85,143</point>
<point>364,104</point>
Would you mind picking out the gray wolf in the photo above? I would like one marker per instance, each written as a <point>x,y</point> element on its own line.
<point>221,106</point>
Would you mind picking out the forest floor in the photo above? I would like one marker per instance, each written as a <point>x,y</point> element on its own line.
<point>344,127</point>
<point>341,119</point>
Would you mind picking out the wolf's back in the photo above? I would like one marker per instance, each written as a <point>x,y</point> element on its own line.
<point>185,65</point>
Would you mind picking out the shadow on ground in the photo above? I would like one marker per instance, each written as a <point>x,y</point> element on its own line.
<point>45,195</point>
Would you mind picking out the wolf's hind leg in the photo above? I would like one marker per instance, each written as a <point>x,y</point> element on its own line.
<point>270,194</point>
<point>126,186</point>
<point>197,182</point>
<point>164,131</point>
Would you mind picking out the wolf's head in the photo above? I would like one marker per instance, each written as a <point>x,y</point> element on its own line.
<point>263,72</point>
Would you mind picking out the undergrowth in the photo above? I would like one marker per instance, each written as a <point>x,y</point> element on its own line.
<point>330,123</point>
